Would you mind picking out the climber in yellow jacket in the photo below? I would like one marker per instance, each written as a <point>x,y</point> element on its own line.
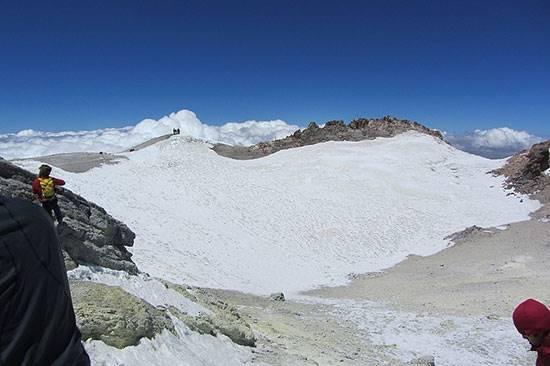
<point>43,188</point>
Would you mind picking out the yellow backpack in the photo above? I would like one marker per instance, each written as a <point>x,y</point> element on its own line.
<point>48,187</point>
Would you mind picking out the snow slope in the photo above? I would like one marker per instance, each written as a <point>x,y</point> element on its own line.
<point>300,218</point>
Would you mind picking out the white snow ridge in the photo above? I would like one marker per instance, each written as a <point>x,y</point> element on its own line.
<point>300,218</point>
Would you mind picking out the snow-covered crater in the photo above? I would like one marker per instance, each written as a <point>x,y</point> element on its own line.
<point>300,218</point>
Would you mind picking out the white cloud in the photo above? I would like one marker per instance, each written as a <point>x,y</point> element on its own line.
<point>30,143</point>
<point>495,142</point>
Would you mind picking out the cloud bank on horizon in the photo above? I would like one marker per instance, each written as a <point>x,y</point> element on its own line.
<point>31,143</point>
<point>494,143</point>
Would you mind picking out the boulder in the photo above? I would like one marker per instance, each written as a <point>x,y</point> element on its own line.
<point>114,316</point>
<point>89,235</point>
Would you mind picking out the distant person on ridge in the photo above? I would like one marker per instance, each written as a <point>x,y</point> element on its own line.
<point>532,320</point>
<point>43,188</point>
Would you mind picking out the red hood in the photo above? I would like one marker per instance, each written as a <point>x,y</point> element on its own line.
<point>531,317</point>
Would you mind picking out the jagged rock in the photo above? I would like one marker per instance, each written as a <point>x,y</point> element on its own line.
<point>467,233</point>
<point>278,296</point>
<point>224,319</point>
<point>337,130</point>
<point>112,315</point>
<point>525,171</point>
<point>89,236</point>
<point>312,126</point>
<point>336,123</point>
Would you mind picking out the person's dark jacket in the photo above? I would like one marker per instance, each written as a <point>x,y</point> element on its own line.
<point>37,321</point>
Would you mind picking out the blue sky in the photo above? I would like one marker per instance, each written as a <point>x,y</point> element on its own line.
<point>452,65</point>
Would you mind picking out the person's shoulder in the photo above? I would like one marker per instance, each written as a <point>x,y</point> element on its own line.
<point>18,206</point>
<point>17,202</point>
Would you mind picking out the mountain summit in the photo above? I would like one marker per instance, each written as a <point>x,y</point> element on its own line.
<point>357,130</point>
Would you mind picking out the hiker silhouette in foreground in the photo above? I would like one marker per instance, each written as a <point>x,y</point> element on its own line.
<point>43,188</point>
<point>532,320</point>
<point>37,321</point>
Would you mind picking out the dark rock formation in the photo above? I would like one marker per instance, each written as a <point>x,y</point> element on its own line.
<point>89,236</point>
<point>357,130</point>
<point>277,296</point>
<point>525,171</point>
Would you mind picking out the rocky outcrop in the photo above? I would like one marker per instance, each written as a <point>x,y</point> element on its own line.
<point>89,236</point>
<point>525,171</point>
<point>467,234</point>
<point>224,318</point>
<point>114,316</point>
<point>277,296</point>
<point>357,130</point>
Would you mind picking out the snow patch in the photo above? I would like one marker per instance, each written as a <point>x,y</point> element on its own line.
<point>185,348</point>
<point>149,289</point>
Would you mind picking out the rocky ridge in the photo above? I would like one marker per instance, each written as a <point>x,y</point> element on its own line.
<point>357,130</point>
<point>527,171</point>
<point>89,236</point>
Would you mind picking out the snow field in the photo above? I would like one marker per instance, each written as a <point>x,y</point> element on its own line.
<point>300,218</point>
